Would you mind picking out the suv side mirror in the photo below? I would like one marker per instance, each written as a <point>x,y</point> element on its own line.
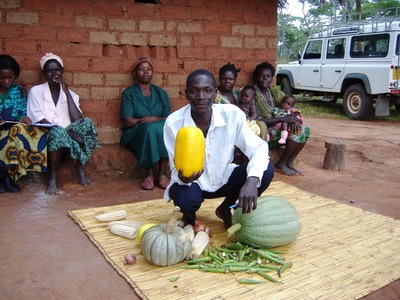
<point>299,57</point>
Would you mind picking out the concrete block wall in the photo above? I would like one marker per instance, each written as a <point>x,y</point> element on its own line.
<point>99,39</point>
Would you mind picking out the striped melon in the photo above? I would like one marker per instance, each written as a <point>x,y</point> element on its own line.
<point>274,223</point>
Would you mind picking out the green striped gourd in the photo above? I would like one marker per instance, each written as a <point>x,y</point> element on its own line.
<point>274,223</point>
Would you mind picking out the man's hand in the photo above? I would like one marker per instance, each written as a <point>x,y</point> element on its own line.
<point>248,195</point>
<point>26,120</point>
<point>195,176</point>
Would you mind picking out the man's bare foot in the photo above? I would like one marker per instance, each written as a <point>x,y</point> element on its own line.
<point>52,187</point>
<point>82,176</point>
<point>224,213</point>
<point>285,170</point>
<point>290,166</point>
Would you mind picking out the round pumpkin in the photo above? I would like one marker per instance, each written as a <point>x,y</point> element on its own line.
<point>142,229</point>
<point>274,223</point>
<point>166,244</point>
<point>189,150</point>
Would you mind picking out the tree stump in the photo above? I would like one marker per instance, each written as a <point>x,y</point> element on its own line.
<point>334,156</point>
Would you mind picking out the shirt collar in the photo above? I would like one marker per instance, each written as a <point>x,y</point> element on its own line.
<point>216,119</point>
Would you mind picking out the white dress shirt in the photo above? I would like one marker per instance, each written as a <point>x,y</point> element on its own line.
<point>228,129</point>
<point>41,105</point>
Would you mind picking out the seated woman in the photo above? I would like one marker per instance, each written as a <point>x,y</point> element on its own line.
<point>144,108</point>
<point>54,103</point>
<point>22,148</point>
<point>267,99</point>
<point>226,94</point>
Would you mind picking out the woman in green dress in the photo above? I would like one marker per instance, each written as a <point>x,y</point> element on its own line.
<point>144,108</point>
<point>267,98</point>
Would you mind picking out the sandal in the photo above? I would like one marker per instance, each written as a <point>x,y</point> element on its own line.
<point>163,181</point>
<point>148,183</point>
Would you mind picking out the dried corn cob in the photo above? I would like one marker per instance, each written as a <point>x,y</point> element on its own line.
<point>124,230</point>
<point>134,224</point>
<point>112,216</point>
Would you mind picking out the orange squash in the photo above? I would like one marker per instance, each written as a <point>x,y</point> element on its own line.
<point>189,150</point>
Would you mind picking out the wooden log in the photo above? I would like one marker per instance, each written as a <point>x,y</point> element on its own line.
<point>334,155</point>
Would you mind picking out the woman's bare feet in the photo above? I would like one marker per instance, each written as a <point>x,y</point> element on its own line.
<point>283,169</point>
<point>82,176</point>
<point>224,213</point>
<point>291,166</point>
<point>52,186</point>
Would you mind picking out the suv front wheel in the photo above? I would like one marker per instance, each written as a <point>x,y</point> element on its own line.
<point>357,103</point>
<point>285,86</point>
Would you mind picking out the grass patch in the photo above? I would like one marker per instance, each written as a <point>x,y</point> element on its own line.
<point>316,107</point>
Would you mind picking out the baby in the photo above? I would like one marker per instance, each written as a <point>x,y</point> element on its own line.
<point>247,105</point>
<point>287,109</point>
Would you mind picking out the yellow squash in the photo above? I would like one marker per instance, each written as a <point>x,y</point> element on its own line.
<point>189,150</point>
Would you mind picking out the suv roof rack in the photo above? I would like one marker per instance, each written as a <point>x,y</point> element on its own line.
<point>367,21</point>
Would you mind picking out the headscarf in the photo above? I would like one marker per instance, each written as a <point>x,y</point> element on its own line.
<point>140,60</point>
<point>50,56</point>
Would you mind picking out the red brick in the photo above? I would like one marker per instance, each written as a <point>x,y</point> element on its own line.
<point>205,40</point>
<point>217,53</point>
<point>193,3</point>
<point>191,65</point>
<point>114,107</point>
<point>107,7</point>
<point>142,10</point>
<point>171,53</point>
<point>94,107</point>
<point>254,17</point>
<point>157,53</point>
<point>190,52</point>
<point>265,55</point>
<point>61,49</point>
<point>38,5</point>
<point>202,13</point>
<point>72,36</point>
<point>247,5</point>
<point>180,102</point>
<point>216,27</point>
<point>87,50</point>
<point>40,33</point>
<point>47,19</point>
<point>222,4</point>
<point>105,65</point>
<point>12,31</point>
<point>166,66</point>
<point>20,47</point>
<point>174,12</point>
<point>110,120</point>
<point>242,54</point>
<point>75,7</point>
<point>115,51</point>
<point>230,16</point>
<point>76,63</point>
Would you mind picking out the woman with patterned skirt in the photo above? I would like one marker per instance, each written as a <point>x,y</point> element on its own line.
<point>22,147</point>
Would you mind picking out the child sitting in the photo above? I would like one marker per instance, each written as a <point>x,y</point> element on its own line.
<point>248,106</point>
<point>287,108</point>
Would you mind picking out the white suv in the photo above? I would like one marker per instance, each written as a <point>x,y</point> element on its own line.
<point>357,61</point>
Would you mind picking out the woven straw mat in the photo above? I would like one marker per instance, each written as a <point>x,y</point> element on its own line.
<point>342,252</point>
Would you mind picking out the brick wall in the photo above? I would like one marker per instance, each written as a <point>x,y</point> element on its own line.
<point>99,39</point>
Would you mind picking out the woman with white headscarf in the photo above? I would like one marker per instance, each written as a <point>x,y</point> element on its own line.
<point>54,103</point>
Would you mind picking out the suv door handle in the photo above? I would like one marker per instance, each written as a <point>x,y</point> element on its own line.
<point>338,71</point>
<point>315,71</point>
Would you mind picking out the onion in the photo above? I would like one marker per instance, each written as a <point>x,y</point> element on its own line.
<point>208,231</point>
<point>199,226</point>
<point>130,259</point>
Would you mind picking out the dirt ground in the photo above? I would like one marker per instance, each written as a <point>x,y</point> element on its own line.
<point>44,255</point>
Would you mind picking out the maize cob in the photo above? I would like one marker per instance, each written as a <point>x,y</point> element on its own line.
<point>124,230</point>
<point>112,216</point>
<point>190,231</point>
<point>199,243</point>
<point>134,224</point>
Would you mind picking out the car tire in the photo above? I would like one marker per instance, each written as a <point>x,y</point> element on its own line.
<point>357,103</point>
<point>285,86</point>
